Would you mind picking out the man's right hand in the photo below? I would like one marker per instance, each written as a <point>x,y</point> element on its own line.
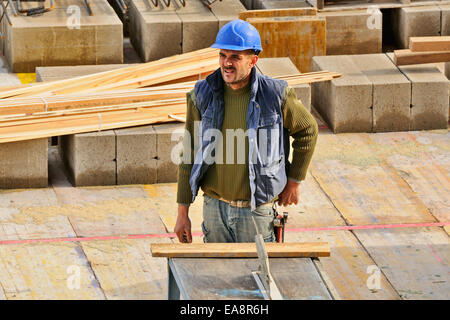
<point>183,225</point>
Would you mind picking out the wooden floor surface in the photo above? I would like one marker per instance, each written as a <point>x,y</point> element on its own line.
<point>354,180</point>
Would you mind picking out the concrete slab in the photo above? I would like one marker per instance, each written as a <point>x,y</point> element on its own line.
<point>167,169</point>
<point>429,96</point>
<point>445,20</point>
<point>23,164</point>
<point>155,32</point>
<point>391,92</point>
<point>353,31</point>
<point>200,26</point>
<point>226,11</point>
<point>248,4</point>
<point>90,157</point>
<point>270,4</point>
<point>345,102</point>
<point>415,22</point>
<point>66,72</point>
<point>59,38</point>
<point>136,155</point>
<point>284,66</point>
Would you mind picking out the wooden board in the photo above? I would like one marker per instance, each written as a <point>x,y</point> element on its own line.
<point>299,38</point>
<point>126,270</point>
<point>47,272</point>
<point>296,278</point>
<point>361,185</point>
<point>289,12</point>
<point>407,57</point>
<point>414,260</point>
<point>239,250</point>
<point>422,44</point>
<point>345,271</point>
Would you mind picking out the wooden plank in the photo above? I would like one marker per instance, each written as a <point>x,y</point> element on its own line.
<point>211,279</point>
<point>414,260</point>
<point>240,250</point>
<point>106,77</point>
<point>346,269</point>
<point>361,185</point>
<point>299,38</point>
<point>57,271</point>
<point>289,12</point>
<point>423,44</point>
<point>126,270</point>
<point>407,57</point>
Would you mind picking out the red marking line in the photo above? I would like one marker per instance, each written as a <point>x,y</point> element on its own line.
<point>199,234</point>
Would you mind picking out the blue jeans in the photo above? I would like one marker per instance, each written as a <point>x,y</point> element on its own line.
<point>224,223</point>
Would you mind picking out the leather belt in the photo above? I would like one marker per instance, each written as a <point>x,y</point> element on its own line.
<point>242,203</point>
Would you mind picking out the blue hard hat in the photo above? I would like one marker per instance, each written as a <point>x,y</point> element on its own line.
<point>238,35</point>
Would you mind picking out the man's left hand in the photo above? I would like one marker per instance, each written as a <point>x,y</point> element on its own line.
<point>290,193</point>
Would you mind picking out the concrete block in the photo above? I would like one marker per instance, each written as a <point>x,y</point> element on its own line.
<point>391,92</point>
<point>226,11</point>
<point>200,26</point>
<point>167,169</point>
<point>345,103</point>
<point>248,4</point>
<point>90,157</point>
<point>429,96</point>
<point>348,32</point>
<point>55,38</point>
<point>445,20</point>
<point>155,32</point>
<point>61,73</point>
<point>283,66</point>
<point>24,164</point>
<point>136,155</point>
<point>270,4</point>
<point>415,22</point>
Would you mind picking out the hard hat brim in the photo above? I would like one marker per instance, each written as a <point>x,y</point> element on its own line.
<point>235,48</point>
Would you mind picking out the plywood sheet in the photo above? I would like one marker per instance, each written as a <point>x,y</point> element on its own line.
<point>414,260</point>
<point>299,38</point>
<point>125,269</point>
<point>23,215</point>
<point>47,271</point>
<point>346,270</point>
<point>102,211</point>
<point>361,185</point>
<point>314,209</point>
<point>422,159</point>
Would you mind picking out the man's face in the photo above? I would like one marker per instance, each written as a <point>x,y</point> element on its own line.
<point>236,66</point>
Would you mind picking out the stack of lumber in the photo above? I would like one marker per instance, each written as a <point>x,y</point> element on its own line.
<point>424,50</point>
<point>297,33</point>
<point>149,93</point>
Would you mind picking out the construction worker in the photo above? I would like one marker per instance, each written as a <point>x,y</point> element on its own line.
<point>241,180</point>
